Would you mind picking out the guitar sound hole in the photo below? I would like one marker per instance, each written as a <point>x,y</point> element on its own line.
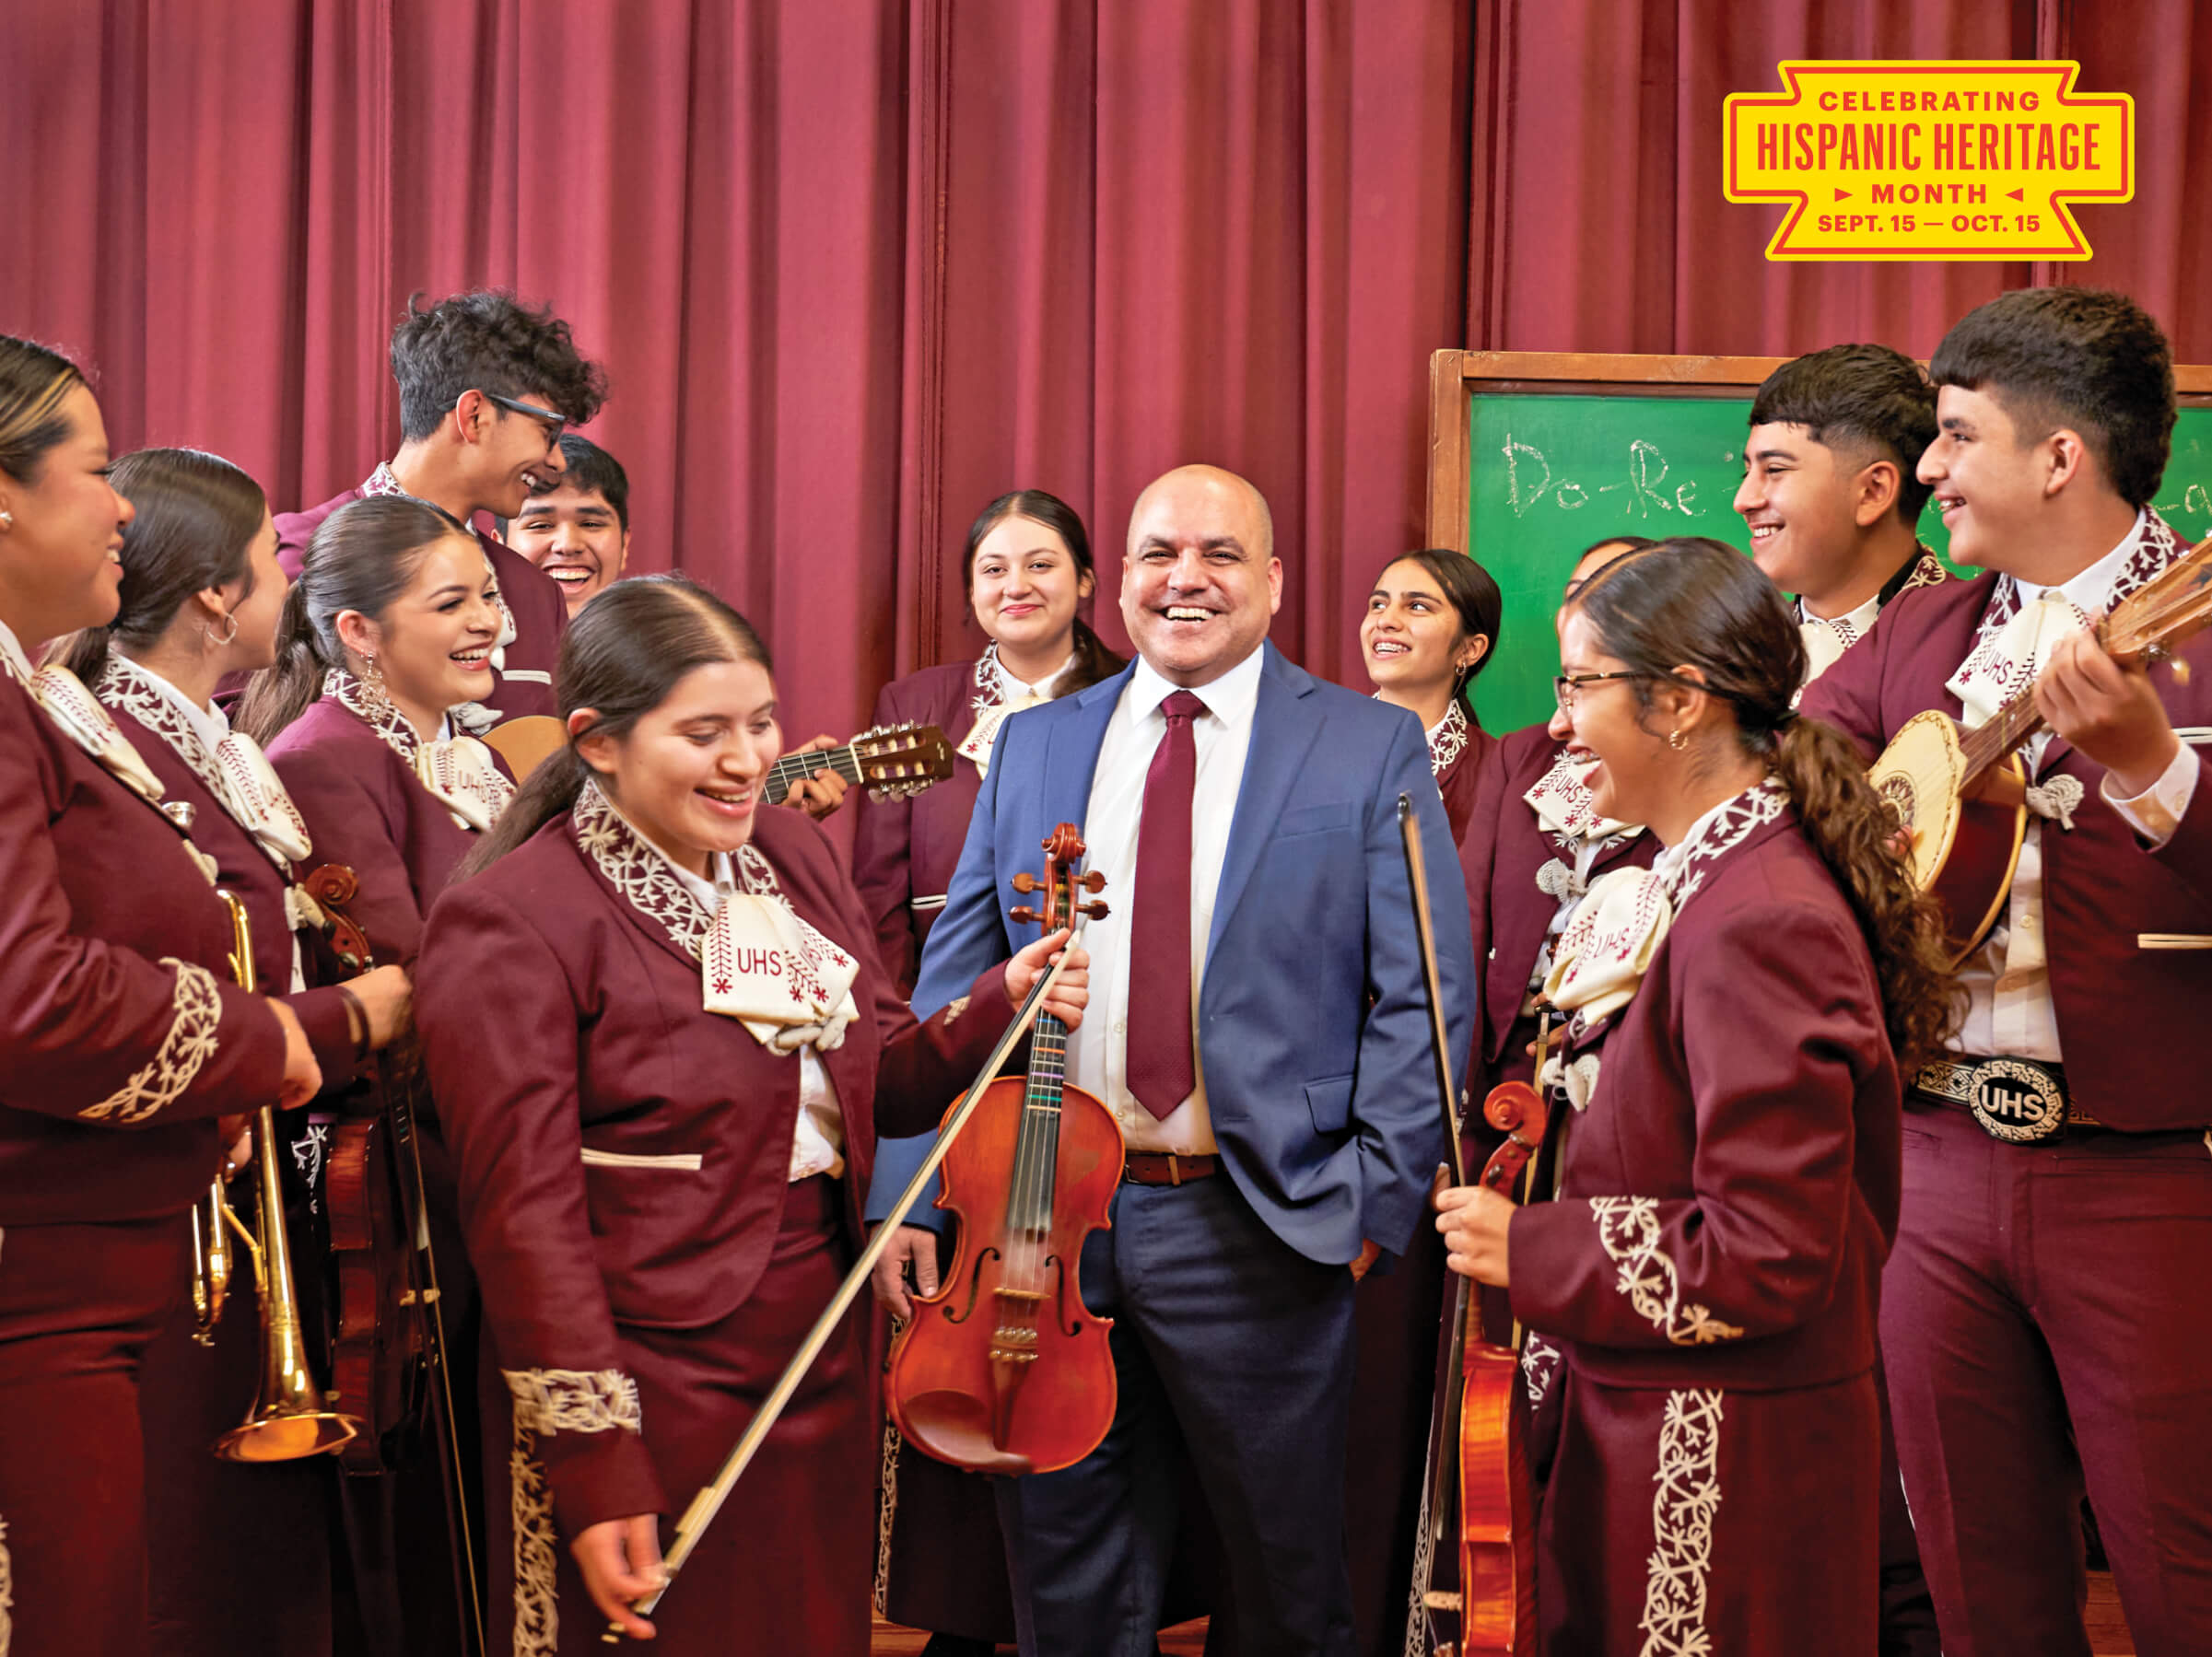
<point>1896,791</point>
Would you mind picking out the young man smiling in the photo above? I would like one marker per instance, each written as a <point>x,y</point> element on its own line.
<point>487,385</point>
<point>2043,1312</point>
<point>1830,489</point>
<point>576,525</point>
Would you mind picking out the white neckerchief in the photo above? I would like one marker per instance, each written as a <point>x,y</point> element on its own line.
<point>1604,953</point>
<point>818,1136</point>
<point>2008,979</point>
<point>1827,638</point>
<point>1562,802</point>
<point>457,772</point>
<point>759,961</point>
<point>229,763</point>
<point>998,696</point>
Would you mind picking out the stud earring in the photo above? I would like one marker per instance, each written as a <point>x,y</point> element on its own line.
<point>7,518</point>
<point>1675,740</point>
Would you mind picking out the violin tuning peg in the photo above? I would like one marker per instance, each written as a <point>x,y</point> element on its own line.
<point>1092,881</point>
<point>1023,914</point>
<point>1025,882</point>
<point>1095,911</point>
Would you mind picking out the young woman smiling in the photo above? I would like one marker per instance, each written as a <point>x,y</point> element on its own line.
<point>201,593</point>
<point>1730,1175</point>
<point>1431,625</point>
<point>391,623</point>
<point>117,1013</point>
<point>1027,571</point>
<point>660,1165</point>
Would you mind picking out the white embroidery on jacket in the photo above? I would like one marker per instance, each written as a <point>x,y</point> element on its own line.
<point>886,1512</point>
<point>190,1042</point>
<point>1539,1367</point>
<point>1729,826</point>
<point>1683,1511</point>
<point>1447,739</point>
<point>552,1402</point>
<point>1627,1228</point>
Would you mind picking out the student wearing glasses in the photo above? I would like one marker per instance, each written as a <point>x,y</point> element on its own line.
<point>487,386</point>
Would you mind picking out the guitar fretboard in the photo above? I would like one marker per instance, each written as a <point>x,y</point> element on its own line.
<point>797,767</point>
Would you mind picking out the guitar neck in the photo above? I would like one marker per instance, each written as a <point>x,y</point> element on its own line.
<point>2012,725</point>
<point>797,767</point>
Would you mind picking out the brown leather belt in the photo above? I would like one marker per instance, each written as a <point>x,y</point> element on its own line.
<point>1165,1168</point>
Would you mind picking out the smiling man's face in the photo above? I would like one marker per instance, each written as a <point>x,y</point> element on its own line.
<point>574,536</point>
<point>1200,583</point>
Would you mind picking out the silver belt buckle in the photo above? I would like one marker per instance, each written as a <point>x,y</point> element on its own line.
<point>2016,1100</point>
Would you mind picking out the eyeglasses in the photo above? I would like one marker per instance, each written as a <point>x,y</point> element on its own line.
<point>1566,688</point>
<point>554,423</point>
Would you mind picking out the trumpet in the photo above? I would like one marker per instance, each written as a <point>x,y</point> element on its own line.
<point>289,1417</point>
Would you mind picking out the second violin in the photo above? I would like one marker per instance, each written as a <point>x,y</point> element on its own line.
<point>1004,1369</point>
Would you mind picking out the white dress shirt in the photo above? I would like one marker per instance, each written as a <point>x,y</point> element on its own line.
<point>2007,980</point>
<point>818,1139</point>
<point>1098,1053</point>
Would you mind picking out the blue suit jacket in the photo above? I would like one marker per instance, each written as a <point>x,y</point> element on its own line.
<point>1313,1023</point>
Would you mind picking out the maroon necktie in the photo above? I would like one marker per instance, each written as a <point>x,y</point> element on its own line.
<point>1162,1072</point>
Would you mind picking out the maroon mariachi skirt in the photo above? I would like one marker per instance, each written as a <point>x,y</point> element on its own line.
<point>785,1565</point>
<point>1708,1519</point>
<point>79,1304</point>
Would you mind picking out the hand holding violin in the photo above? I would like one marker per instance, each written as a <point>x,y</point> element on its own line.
<point>1070,995</point>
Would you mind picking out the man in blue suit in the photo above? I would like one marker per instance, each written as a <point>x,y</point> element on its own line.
<point>1259,1028</point>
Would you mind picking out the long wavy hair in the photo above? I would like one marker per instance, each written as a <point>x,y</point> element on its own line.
<point>1689,602</point>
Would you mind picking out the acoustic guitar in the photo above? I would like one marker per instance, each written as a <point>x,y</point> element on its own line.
<point>892,762</point>
<point>1961,795</point>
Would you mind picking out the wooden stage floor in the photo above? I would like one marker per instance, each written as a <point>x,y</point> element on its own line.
<point>2108,1630</point>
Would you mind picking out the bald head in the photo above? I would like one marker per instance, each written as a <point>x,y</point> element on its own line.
<point>1201,581</point>
<point>1197,482</point>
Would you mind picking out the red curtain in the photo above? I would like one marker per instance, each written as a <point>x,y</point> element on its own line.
<point>855,268</point>
<point>1598,222</point>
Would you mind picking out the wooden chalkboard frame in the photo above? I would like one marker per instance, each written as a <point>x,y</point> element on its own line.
<point>1452,374</point>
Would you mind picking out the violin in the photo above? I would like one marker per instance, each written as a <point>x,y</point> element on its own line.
<point>1478,1425</point>
<point>1004,1369</point>
<point>388,1353</point>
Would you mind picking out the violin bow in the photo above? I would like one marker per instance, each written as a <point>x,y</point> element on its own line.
<point>708,1501</point>
<point>1436,1494</point>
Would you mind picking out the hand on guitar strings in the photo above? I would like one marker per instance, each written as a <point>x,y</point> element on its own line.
<point>1475,1221</point>
<point>620,1560</point>
<point>821,793</point>
<point>1070,996</point>
<point>2112,714</point>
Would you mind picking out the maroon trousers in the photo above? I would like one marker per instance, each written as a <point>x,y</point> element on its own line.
<point>1710,1521</point>
<point>2044,1324</point>
<point>79,1304</point>
<point>785,1568</point>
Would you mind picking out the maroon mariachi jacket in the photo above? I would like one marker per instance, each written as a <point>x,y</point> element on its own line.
<point>532,597</point>
<point>242,868</point>
<point>624,1155</point>
<point>1503,853</point>
<point>117,1012</point>
<point>1731,1192</point>
<point>904,849</point>
<point>2101,887</point>
<point>366,809</point>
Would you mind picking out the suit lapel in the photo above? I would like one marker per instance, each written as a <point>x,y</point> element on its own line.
<point>1072,752</point>
<point>1281,737</point>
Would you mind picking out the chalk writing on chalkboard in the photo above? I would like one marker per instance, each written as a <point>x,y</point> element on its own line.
<point>1528,479</point>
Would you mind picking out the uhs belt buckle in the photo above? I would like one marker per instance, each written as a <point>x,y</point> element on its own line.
<point>2016,1100</point>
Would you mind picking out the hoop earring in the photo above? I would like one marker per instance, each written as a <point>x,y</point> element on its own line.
<point>1675,740</point>
<point>230,619</point>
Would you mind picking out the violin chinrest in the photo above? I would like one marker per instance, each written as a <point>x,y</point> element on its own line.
<point>955,1427</point>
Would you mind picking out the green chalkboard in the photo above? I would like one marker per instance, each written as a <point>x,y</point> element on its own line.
<point>1548,472</point>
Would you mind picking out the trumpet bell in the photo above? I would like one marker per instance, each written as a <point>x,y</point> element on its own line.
<point>288,1438</point>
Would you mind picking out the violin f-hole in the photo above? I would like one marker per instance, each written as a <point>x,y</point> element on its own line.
<point>975,1287</point>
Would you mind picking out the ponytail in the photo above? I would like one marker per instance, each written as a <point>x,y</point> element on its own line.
<point>548,792</point>
<point>1691,601</point>
<point>1854,832</point>
<point>1094,661</point>
<point>279,694</point>
<point>363,558</point>
<point>620,658</point>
